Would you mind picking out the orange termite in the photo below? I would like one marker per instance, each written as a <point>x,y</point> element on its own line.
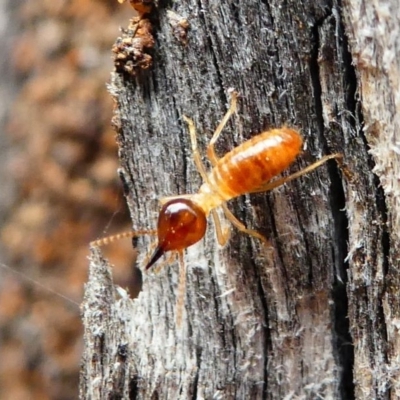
<point>247,168</point>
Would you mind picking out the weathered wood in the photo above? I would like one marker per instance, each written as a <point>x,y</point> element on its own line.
<point>374,281</point>
<point>259,323</point>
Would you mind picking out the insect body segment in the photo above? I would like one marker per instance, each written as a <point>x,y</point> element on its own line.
<point>255,162</point>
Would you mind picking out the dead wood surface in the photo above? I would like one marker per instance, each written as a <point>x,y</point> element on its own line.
<point>292,321</point>
<point>374,281</point>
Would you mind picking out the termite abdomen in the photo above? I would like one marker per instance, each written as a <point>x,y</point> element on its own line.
<point>256,161</point>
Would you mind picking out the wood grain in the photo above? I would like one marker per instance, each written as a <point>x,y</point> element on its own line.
<point>290,321</point>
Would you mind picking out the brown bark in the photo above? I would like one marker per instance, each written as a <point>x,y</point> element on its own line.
<point>290,321</point>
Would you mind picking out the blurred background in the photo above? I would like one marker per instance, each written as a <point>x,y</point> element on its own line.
<point>59,186</point>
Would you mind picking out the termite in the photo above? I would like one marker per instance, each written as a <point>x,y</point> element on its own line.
<point>248,168</point>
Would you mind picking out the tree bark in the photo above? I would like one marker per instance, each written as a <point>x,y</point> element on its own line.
<point>374,282</point>
<point>316,314</point>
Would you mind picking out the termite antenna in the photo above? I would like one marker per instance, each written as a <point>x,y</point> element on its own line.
<point>129,234</point>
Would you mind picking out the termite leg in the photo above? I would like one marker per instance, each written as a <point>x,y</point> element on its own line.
<point>222,235</point>
<point>180,296</point>
<point>210,149</point>
<point>279,182</point>
<point>349,175</point>
<point>239,225</point>
<point>130,234</point>
<point>195,150</point>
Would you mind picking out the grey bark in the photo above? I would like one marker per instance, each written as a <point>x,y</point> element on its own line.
<point>315,315</point>
<point>374,37</point>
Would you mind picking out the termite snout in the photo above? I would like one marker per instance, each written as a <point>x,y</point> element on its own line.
<point>181,223</point>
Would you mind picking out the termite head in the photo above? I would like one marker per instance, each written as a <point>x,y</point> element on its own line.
<point>181,223</point>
